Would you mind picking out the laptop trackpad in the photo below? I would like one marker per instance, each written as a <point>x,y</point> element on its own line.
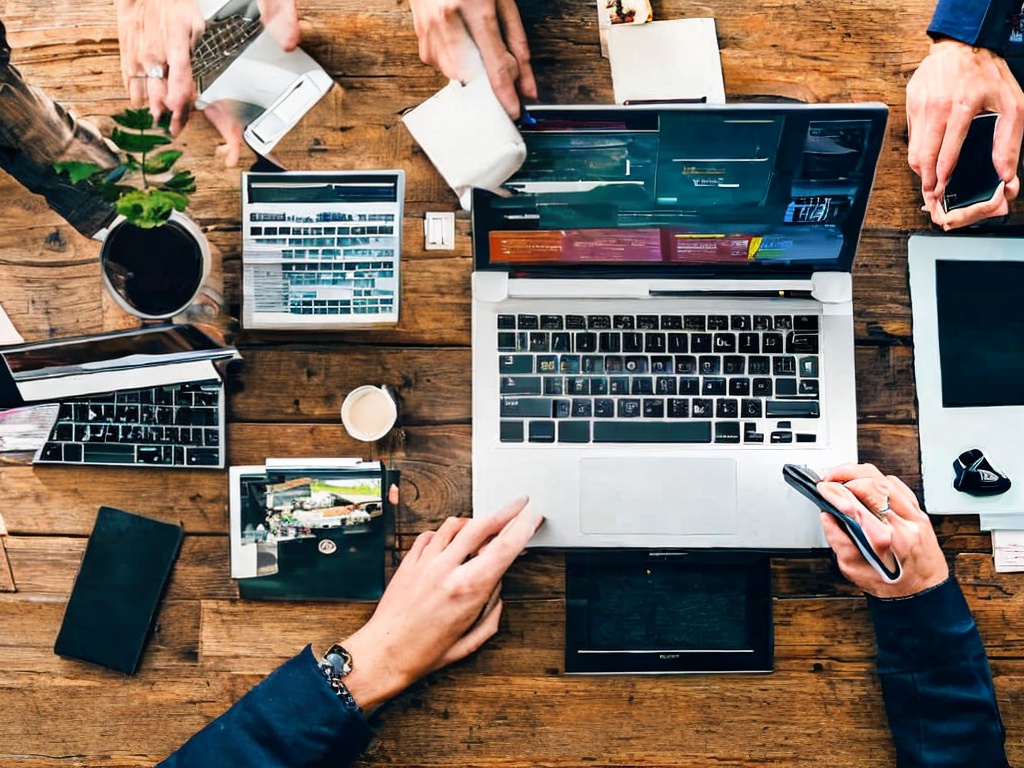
<point>659,495</point>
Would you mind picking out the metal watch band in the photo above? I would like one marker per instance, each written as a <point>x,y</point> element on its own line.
<point>336,664</point>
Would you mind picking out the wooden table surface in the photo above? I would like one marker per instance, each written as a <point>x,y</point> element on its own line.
<point>509,705</point>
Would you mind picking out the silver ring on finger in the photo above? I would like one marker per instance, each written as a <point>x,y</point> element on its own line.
<point>158,72</point>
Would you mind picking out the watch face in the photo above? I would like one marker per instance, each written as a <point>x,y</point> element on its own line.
<point>339,660</point>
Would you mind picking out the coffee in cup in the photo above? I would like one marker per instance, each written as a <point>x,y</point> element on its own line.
<point>369,412</point>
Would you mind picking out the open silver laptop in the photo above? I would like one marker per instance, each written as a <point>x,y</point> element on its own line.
<point>662,317</point>
<point>237,61</point>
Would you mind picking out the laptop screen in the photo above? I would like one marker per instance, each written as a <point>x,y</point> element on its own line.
<point>684,189</point>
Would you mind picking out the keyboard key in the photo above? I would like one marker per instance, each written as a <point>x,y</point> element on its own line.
<point>727,432</point>
<point>73,453</point>
<point>762,322</point>
<point>718,323</point>
<point>582,408</point>
<point>506,342</point>
<point>784,365</point>
<point>665,385</point>
<point>654,343</point>
<point>678,408</point>
<point>805,323</point>
<point>783,322</point>
<point>809,367</point>
<point>552,385</point>
<point>710,365</point>
<point>751,435</point>
<point>551,322</point>
<point>546,364</point>
<point>561,342</point>
<point>662,365</point>
<point>739,386</point>
<point>750,343</point>
<point>609,342</point>
<point>678,343</point>
<point>618,385</point>
<point>514,364</point>
<point>795,409</point>
<point>759,366</point>
<point>614,364</point>
<point>689,385</point>
<point>636,364</point>
<point>686,364</point>
<point>568,365</point>
<point>575,322</point>
<point>511,431</point>
<point>808,388</point>
<point>671,323</point>
<point>585,342</point>
<point>733,365</point>
<point>599,386</point>
<point>713,385</point>
<point>802,437</point>
<point>520,385</point>
<point>599,322</point>
<point>52,452</point>
<point>642,385</point>
<point>785,387</point>
<point>740,322</point>
<point>542,431</point>
<point>771,343</point>
<point>632,342</point>
<point>725,342</point>
<point>652,432</point>
<point>623,322</point>
<point>762,388</point>
<point>801,343</point>
<point>507,322</point>
<point>574,431</point>
<point>593,364</point>
<point>701,408</point>
<point>727,408</point>
<point>526,407</point>
<point>654,409</point>
<point>782,437</point>
<point>694,322</point>
<point>563,409</point>
<point>108,453</point>
<point>540,342</point>
<point>700,342</point>
<point>528,322</point>
<point>629,408</point>
<point>647,322</point>
<point>751,409</point>
<point>604,408</point>
<point>577,385</point>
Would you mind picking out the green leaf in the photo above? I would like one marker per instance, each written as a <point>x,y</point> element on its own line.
<point>176,199</point>
<point>137,119</point>
<point>182,181</point>
<point>138,142</point>
<point>161,161</point>
<point>113,192</point>
<point>77,171</point>
<point>145,209</point>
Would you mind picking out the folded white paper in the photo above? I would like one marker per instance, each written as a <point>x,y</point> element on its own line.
<point>666,61</point>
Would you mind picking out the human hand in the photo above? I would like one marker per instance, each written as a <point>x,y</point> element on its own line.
<point>954,83</point>
<point>441,605</point>
<point>157,36</point>
<point>448,29</point>
<point>905,532</point>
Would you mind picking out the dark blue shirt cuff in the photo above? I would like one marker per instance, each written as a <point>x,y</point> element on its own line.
<point>931,629</point>
<point>293,718</point>
<point>981,23</point>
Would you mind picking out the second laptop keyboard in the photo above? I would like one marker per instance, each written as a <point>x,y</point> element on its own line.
<point>658,378</point>
<point>170,426</point>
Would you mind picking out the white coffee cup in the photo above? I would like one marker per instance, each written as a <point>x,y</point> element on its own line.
<point>369,412</point>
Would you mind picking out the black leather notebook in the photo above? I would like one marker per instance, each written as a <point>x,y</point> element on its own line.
<point>123,573</point>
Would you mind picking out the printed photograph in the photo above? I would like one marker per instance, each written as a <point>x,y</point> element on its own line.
<point>310,536</point>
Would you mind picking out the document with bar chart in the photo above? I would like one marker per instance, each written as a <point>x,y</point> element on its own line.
<point>321,250</point>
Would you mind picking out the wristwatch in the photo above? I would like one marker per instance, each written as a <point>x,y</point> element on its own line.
<point>336,664</point>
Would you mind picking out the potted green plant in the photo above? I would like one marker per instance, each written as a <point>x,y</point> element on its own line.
<point>154,258</point>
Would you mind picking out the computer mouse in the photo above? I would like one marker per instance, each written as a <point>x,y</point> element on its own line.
<point>976,475</point>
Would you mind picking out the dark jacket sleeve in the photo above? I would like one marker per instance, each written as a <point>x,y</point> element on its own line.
<point>291,719</point>
<point>984,23</point>
<point>936,682</point>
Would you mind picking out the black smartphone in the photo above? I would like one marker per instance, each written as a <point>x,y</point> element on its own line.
<point>806,482</point>
<point>974,179</point>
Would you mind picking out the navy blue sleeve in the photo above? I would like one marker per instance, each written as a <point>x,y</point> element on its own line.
<point>983,23</point>
<point>291,719</point>
<point>936,682</point>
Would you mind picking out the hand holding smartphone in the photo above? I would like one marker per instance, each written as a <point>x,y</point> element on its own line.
<point>805,481</point>
<point>974,179</point>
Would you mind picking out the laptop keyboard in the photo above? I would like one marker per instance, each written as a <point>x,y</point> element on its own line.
<point>172,426</point>
<point>734,379</point>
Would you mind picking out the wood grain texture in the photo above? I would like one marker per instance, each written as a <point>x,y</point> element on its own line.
<point>509,705</point>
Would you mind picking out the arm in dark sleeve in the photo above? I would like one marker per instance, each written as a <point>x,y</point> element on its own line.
<point>291,719</point>
<point>982,23</point>
<point>936,681</point>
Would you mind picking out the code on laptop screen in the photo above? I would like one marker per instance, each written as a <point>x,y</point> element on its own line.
<point>675,188</point>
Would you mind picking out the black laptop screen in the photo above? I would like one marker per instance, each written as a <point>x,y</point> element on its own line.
<point>764,188</point>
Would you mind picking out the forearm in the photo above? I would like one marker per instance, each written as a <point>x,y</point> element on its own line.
<point>291,719</point>
<point>981,23</point>
<point>936,682</point>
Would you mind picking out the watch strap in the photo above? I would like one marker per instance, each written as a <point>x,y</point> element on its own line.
<point>336,664</point>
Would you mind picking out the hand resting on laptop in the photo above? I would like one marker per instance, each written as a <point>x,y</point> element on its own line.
<point>156,39</point>
<point>893,521</point>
